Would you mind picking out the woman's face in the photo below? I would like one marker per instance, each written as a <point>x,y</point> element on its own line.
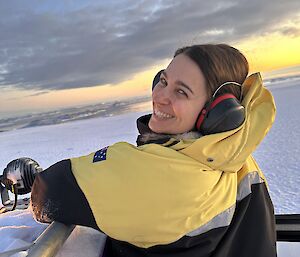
<point>178,98</point>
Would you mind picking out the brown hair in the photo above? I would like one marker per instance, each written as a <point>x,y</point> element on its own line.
<point>219,63</point>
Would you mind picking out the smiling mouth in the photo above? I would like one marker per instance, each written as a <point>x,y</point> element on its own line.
<point>162,115</point>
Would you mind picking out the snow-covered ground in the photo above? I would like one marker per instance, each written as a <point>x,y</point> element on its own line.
<point>278,156</point>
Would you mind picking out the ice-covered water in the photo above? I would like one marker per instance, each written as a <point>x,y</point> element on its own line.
<point>279,153</point>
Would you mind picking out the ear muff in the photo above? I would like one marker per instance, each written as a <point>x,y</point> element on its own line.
<point>156,79</point>
<point>222,114</point>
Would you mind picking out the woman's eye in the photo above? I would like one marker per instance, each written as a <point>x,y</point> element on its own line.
<point>180,91</point>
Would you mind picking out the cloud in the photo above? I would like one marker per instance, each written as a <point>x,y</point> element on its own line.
<point>59,46</point>
<point>38,93</point>
<point>291,31</point>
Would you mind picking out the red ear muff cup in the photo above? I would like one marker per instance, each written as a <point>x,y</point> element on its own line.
<point>225,113</point>
<point>201,118</point>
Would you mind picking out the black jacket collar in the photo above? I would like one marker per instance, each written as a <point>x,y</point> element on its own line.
<point>143,128</point>
<point>147,136</point>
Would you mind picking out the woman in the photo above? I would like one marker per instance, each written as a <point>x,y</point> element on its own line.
<point>191,186</point>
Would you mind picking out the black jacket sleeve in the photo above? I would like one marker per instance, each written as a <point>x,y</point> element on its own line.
<point>56,196</point>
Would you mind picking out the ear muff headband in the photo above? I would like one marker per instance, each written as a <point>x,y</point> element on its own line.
<point>229,83</point>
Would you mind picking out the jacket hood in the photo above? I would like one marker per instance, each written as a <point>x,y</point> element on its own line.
<point>226,151</point>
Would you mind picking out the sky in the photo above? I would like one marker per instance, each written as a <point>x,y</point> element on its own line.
<point>56,54</point>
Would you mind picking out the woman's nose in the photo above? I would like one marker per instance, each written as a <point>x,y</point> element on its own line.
<point>161,95</point>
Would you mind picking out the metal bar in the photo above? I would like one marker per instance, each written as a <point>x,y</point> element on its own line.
<point>51,240</point>
<point>288,227</point>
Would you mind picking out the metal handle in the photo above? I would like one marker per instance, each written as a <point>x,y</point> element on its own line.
<point>51,240</point>
<point>48,243</point>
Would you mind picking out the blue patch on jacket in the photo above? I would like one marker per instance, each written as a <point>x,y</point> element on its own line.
<point>100,155</point>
